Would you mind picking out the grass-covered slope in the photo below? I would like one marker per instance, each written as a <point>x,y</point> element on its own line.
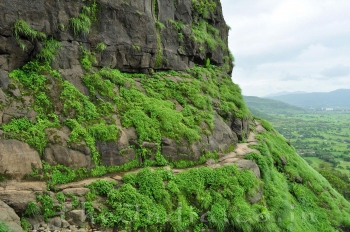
<point>289,196</point>
<point>295,197</point>
<point>301,199</point>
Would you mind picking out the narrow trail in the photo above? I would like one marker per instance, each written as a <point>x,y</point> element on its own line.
<point>234,157</point>
<point>11,190</point>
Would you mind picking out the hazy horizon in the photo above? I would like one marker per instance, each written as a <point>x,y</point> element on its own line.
<point>299,45</point>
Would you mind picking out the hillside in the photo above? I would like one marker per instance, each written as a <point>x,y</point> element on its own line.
<point>122,116</point>
<point>269,106</point>
<point>334,99</point>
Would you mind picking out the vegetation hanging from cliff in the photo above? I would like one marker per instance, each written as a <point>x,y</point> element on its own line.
<point>82,23</point>
<point>204,7</point>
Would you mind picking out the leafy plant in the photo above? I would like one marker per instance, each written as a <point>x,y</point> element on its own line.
<point>136,48</point>
<point>27,131</point>
<point>206,34</point>
<point>101,47</point>
<point>82,23</point>
<point>61,197</point>
<point>22,28</point>
<point>47,206</point>
<point>88,59</point>
<point>47,53</point>
<point>25,225</point>
<point>32,209</point>
<point>203,7</point>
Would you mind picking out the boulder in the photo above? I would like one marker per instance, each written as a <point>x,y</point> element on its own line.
<point>11,152</point>
<point>18,200</point>
<point>10,218</point>
<point>249,165</point>
<point>57,154</point>
<point>222,136</point>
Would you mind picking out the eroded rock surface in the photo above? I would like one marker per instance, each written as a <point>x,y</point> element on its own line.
<point>17,158</point>
<point>10,218</point>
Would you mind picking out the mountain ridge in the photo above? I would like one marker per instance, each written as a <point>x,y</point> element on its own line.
<point>336,98</point>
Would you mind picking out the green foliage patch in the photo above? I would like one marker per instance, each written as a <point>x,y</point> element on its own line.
<point>32,209</point>
<point>47,205</point>
<point>204,7</point>
<point>4,227</point>
<point>82,23</point>
<point>22,28</point>
<point>297,196</point>
<point>206,34</point>
<point>159,200</point>
<point>30,132</point>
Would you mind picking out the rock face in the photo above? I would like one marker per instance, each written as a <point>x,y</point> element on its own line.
<point>18,159</point>
<point>128,30</point>
<point>137,37</point>
<point>10,218</point>
<point>57,154</point>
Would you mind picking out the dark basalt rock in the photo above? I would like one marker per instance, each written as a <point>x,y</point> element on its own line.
<point>128,29</point>
<point>133,42</point>
<point>112,155</point>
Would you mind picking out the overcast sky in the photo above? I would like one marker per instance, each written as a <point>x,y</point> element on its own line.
<point>289,45</point>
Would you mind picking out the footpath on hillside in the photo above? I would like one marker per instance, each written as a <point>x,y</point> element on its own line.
<point>18,194</point>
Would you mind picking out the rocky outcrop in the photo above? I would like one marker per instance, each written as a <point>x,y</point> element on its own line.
<point>112,155</point>
<point>127,29</point>
<point>17,158</point>
<point>10,218</point>
<point>57,154</point>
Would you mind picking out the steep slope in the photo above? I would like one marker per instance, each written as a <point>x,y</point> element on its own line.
<point>119,115</point>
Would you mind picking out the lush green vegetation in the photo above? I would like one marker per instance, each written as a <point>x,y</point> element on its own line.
<point>177,105</point>
<point>305,192</point>
<point>322,139</point>
<point>203,7</point>
<point>151,108</point>
<point>207,35</point>
<point>81,24</point>
<point>22,29</point>
<point>319,137</point>
<point>294,196</point>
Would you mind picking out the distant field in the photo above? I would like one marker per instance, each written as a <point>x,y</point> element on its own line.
<point>318,137</point>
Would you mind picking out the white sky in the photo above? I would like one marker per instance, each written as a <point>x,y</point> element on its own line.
<point>289,45</point>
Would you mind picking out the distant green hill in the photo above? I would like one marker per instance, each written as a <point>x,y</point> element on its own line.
<point>269,106</point>
<point>338,98</point>
<point>259,114</point>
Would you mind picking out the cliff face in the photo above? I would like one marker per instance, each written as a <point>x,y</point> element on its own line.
<point>134,41</point>
<point>85,42</point>
<point>107,87</point>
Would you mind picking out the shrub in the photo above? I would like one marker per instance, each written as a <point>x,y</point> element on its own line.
<point>32,209</point>
<point>47,206</point>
